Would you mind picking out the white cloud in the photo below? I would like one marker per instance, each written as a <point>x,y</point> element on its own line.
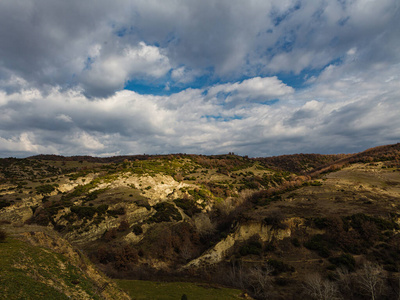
<point>253,89</point>
<point>87,141</point>
<point>64,118</point>
<point>24,143</point>
<point>109,73</point>
<point>359,115</point>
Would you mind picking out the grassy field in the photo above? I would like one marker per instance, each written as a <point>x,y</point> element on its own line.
<point>143,290</point>
<point>28,272</point>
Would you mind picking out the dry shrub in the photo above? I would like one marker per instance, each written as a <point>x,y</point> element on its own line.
<point>116,256</point>
<point>3,235</point>
<point>124,225</point>
<point>203,224</point>
<point>110,235</point>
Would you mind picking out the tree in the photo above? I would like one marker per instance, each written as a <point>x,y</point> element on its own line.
<point>236,275</point>
<point>345,282</point>
<point>203,224</point>
<point>260,280</point>
<point>370,280</point>
<point>321,289</point>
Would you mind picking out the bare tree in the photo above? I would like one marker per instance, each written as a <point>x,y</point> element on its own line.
<point>398,291</point>
<point>370,280</point>
<point>260,280</point>
<point>203,224</point>
<point>186,250</point>
<point>321,289</point>
<point>345,282</point>
<point>237,275</point>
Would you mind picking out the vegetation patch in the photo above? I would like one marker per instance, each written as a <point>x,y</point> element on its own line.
<point>46,188</point>
<point>165,212</point>
<point>147,290</point>
<point>319,244</point>
<point>189,206</point>
<point>251,247</point>
<point>26,272</point>
<point>344,260</point>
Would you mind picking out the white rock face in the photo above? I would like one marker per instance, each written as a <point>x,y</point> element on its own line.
<point>162,186</point>
<point>243,233</point>
<point>21,211</point>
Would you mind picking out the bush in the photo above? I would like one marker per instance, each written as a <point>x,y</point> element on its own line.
<point>317,243</point>
<point>137,229</point>
<point>251,247</point>
<point>143,203</point>
<point>110,235</point>
<point>121,257</point>
<point>84,211</point>
<point>117,212</point>
<point>296,242</point>
<point>45,189</point>
<point>276,221</point>
<point>124,225</point>
<point>188,206</point>
<point>279,266</point>
<point>3,235</point>
<point>345,260</point>
<point>4,203</point>
<point>165,212</point>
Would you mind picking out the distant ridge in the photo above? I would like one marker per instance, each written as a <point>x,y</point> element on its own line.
<point>298,163</point>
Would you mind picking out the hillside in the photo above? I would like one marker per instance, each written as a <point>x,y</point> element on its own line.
<point>269,226</point>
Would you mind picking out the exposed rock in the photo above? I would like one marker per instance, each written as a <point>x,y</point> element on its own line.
<point>242,233</point>
<point>161,186</point>
<point>21,211</point>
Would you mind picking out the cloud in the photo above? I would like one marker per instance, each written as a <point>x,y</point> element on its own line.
<point>253,89</point>
<point>23,144</point>
<point>105,75</point>
<point>47,43</point>
<point>357,116</point>
<point>257,77</point>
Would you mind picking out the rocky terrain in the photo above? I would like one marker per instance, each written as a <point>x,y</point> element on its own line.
<point>274,227</point>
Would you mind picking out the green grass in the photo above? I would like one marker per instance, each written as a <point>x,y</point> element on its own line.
<point>27,271</point>
<point>143,290</point>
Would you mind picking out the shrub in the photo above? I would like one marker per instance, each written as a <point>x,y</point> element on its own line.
<point>279,266</point>
<point>4,203</point>
<point>165,212</point>
<point>143,203</point>
<point>45,189</point>
<point>345,260</point>
<point>3,235</point>
<point>320,223</point>
<point>251,247</point>
<point>296,242</point>
<point>124,225</point>
<point>117,212</point>
<point>317,243</point>
<point>84,211</point>
<point>137,229</point>
<point>276,221</point>
<point>110,235</point>
<point>188,206</point>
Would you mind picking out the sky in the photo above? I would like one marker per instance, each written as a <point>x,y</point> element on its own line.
<point>254,77</point>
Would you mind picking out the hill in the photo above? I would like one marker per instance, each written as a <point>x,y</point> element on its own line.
<point>276,227</point>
